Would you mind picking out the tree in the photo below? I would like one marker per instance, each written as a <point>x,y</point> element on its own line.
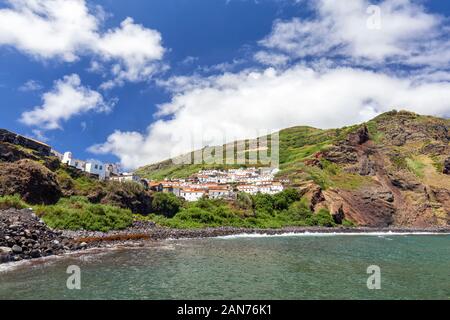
<point>166,204</point>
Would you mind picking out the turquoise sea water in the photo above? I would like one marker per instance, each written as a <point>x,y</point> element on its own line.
<point>283,267</point>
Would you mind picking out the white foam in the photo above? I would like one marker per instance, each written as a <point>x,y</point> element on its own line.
<point>328,234</point>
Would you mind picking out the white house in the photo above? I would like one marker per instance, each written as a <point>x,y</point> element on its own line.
<point>92,166</point>
<point>248,189</point>
<point>219,193</point>
<point>70,161</point>
<point>277,187</point>
<point>96,167</point>
<point>126,177</point>
<point>192,194</point>
<point>112,169</point>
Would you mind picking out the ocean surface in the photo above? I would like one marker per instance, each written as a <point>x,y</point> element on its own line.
<point>246,267</point>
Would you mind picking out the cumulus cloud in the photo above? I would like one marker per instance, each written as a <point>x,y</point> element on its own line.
<point>394,30</point>
<point>237,105</point>
<point>67,99</point>
<point>67,29</point>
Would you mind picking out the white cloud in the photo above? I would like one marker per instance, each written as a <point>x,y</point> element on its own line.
<point>240,104</point>
<point>66,30</point>
<point>406,33</point>
<point>30,85</point>
<point>67,99</point>
<point>271,59</point>
<point>135,47</point>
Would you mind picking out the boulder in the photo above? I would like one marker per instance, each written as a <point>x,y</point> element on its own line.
<point>16,249</point>
<point>359,137</point>
<point>446,169</point>
<point>32,181</point>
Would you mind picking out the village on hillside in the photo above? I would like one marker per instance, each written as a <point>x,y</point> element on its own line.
<point>213,184</point>
<point>221,184</point>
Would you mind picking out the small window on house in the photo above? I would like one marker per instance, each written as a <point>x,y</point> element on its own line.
<point>96,166</point>
<point>101,167</point>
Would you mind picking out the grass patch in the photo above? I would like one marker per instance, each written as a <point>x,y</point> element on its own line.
<point>76,213</point>
<point>12,202</point>
<point>416,167</point>
<point>376,135</point>
<point>399,161</point>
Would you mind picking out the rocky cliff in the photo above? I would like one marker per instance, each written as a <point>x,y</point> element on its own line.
<point>394,170</point>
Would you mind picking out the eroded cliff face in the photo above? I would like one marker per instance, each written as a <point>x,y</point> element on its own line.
<point>404,159</point>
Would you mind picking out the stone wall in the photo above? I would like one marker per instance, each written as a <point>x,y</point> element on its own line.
<point>10,137</point>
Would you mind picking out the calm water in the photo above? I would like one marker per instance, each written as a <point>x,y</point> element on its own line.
<point>289,267</point>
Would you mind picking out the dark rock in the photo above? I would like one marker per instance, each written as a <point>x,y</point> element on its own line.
<point>10,153</point>
<point>359,137</point>
<point>434,148</point>
<point>446,169</point>
<point>131,196</point>
<point>404,181</point>
<point>35,253</point>
<point>339,215</point>
<point>341,154</point>
<point>25,237</point>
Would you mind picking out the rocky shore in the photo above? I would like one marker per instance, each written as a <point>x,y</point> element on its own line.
<point>24,236</point>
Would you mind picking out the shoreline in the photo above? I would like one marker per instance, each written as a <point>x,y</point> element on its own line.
<point>101,241</point>
<point>147,231</point>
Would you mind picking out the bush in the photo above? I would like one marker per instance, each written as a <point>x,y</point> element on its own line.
<point>166,204</point>
<point>299,210</point>
<point>77,213</point>
<point>244,201</point>
<point>322,218</point>
<point>15,202</point>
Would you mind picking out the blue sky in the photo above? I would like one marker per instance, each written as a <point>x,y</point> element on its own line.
<point>215,64</point>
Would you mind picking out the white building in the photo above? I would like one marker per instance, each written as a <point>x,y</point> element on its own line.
<point>112,169</point>
<point>192,194</point>
<point>219,193</point>
<point>92,166</point>
<point>276,187</point>
<point>96,167</point>
<point>248,189</point>
<point>70,161</point>
<point>126,177</point>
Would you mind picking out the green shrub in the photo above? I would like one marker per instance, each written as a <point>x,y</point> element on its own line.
<point>244,201</point>
<point>14,202</point>
<point>299,211</point>
<point>77,213</point>
<point>322,218</point>
<point>166,204</point>
<point>268,211</point>
<point>347,223</point>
